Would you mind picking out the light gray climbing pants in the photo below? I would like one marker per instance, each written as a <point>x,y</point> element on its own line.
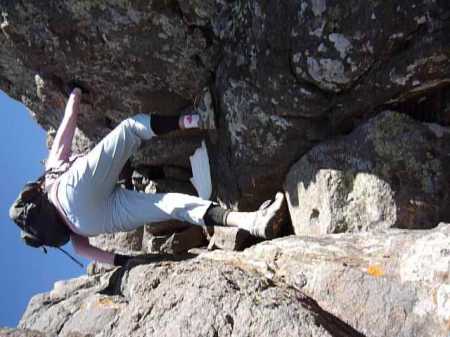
<point>95,204</point>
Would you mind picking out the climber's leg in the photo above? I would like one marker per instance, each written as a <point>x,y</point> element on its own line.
<point>128,210</point>
<point>162,125</point>
<point>259,223</point>
<point>85,187</point>
<point>94,176</point>
<point>201,114</point>
<point>196,116</point>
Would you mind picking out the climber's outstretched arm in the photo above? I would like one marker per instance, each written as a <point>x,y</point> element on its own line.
<point>82,247</point>
<point>62,145</point>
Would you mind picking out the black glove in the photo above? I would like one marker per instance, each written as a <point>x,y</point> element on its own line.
<point>121,260</point>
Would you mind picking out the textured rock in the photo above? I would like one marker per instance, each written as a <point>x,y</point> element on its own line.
<point>282,88</point>
<point>373,284</point>
<point>165,228</point>
<point>95,268</point>
<point>390,172</point>
<point>284,75</point>
<point>177,243</point>
<point>228,238</point>
<point>193,298</point>
<point>50,312</point>
<point>394,283</point>
<point>124,241</point>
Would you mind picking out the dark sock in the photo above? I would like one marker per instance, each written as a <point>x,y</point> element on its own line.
<point>164,124</point>
<point>121,260</point>
<point>216,216</point>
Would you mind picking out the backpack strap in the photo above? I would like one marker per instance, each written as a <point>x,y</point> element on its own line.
<point>63,216</point>
<point>41,179</point>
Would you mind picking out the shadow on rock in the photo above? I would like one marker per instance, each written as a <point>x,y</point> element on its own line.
<point>115,280</point>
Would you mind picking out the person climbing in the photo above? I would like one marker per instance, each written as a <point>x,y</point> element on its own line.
<point>87,201</point>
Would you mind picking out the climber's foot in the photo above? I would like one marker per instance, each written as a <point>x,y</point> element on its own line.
<point>266,218</point>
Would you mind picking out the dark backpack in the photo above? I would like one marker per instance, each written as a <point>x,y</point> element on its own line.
<point>39,221</point>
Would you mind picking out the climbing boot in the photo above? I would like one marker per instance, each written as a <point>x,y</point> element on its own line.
<point>267,218</point>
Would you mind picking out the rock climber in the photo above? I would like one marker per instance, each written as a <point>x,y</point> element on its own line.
<point>89,202</point>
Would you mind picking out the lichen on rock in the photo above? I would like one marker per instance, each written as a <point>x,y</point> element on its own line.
<point>295,85</point>
<point>387,173</point>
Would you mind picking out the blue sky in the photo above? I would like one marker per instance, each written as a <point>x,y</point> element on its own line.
<point>25,271</point>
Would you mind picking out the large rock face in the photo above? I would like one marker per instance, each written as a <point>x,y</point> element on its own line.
<point>394,283</point>
<point>387,284</point>
<point>391,172</point>
<point>198,298</point>
<point>285,75</point>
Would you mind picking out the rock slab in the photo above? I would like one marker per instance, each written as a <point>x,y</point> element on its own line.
<point>394,283</point>
<point>390,172</point>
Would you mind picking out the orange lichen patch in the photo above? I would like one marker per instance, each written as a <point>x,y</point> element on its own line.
<point>375,271</point>
<point>107,302</point>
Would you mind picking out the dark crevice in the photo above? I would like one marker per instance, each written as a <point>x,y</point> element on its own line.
<point>108,123</point>
<point>198,61</point>
<point>432,106</point>
<point>101,36</point>
<point>167,5</point>
<point>429,106</point>
<point>51,302</point>
<point>229,319</point>
<point>208,34</point>
<point>314,214</point>
<point>400,47</point>
<point>126,175</point>
<point>66,319</point>
<point>151,172</point>
<point>334,325</point>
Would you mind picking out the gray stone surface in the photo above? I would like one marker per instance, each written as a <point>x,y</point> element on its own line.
<point>50,312</point>
<point>394,283</point>
<point>284,75</point>
<point>227,238</point>
<point>283,87</point>
<point>192,298</point>
<point>176,243</point>
<point>123,241</point>
<point>165,228</point>
<point>390,172</point>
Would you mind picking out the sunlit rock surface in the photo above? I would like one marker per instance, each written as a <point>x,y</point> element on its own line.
<point>285,76</point>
